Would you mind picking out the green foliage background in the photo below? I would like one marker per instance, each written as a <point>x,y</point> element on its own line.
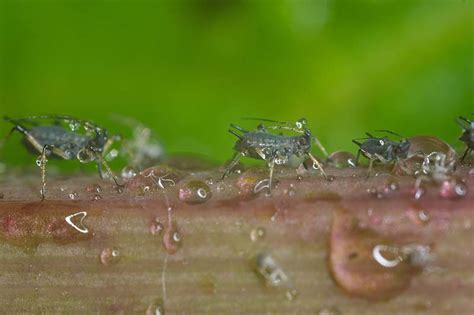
<point>189,68</point>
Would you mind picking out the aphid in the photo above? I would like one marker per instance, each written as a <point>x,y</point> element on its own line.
<point>382,150</point>
<point>468,135</point>
<point>54,140</point>
<point>274,149</point>
<point>438,169</point>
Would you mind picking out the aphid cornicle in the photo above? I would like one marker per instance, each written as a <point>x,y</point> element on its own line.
<point>382,149</point>
<point>467,136</point>
<point>51,139</point>
<point>274,149</point>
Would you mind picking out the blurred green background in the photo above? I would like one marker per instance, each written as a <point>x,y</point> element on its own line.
<point>189,68</point>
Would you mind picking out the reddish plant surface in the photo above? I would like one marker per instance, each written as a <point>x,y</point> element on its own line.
<point>218,247</point>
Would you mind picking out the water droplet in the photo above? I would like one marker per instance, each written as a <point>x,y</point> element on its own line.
<point>423,216</point>
<point>391,185</point>
<point>156,227</point>
<point>299,177</point>
<point>291,192</point>
<point>387,256</point>
<point>74,125</point>
<point>210,181</point>
<point>364,263</point>
<point>342,159</point>
<point>419,192</point>
<point>194,192</point>
<point>96,197</point>
<point>95,188</point>
<point>74,195</point>
<point>330,178</point>
<point>257,234</point>
<point>220,187</point>
<point>156,308</point>
<point>109,256</point>
<point>80,225</point>
<point>128,173</point>
<point>172,239</point>
<point>453,188</point>
<point>375,193</point>
<point>261,185</point>
<point>118,189</point>
<point>427,144</point>
<point>249,179</point>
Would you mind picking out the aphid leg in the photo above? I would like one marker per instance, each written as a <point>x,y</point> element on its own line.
<point>320,167</point>
<point>465,154</point>
<point>43,160</point>
<point>320,146</point>
<point>100,170</point>
<point>108,169</point>
<point>419,180</point>
<point>231,165</point>
<point>358,156</point>
<point>369,171</point>
<point>271,166</point>
<point>110,142</point>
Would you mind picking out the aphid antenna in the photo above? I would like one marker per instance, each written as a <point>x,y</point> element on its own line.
<point>364,138</point>
<point>266,120</point>
<point>320,146</point>
<point>390,132</point>
<point>357,142</point>
<point>235,133</point>
<point>463,122</point>
<point>238,128</point>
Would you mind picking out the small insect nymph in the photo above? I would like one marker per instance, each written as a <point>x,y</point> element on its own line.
<point>438,169</point>
<point>47,135</point>
<point>274,149</point>
<point>142,150</point>
<point>468,135</point>
<point>382,150</point>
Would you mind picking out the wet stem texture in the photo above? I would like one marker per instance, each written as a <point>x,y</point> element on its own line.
<point>190,243</point>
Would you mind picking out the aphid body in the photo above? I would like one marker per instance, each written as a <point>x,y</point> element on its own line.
<point>52,140</point>
<point>468,135</point>
<point>273,148</point>
<point>383,150</point>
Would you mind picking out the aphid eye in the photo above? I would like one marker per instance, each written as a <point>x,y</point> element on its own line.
<point>85,156</point>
